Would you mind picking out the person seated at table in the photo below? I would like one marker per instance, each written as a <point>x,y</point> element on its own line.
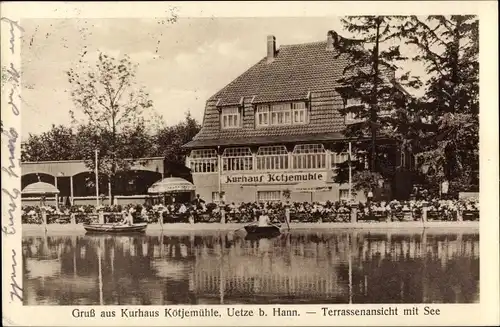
<point>264,219</point>
<point>182,209</point>
<point>203,207</point>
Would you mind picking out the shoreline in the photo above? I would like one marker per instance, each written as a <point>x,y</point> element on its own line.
<point>176,228</point>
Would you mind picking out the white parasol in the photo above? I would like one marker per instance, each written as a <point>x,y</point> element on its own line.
<point>172,185</point>
<point>40,188</point>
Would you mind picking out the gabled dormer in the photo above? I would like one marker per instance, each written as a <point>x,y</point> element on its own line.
<point>231,116</point>
<point>353,106</point>
<point>289,113</point>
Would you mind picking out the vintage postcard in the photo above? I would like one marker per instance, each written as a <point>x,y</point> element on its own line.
<point>250,163</point>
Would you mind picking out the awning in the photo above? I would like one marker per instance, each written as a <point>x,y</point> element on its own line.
<point>312,186</point>
<point>40,188</point>
<point>172,185</point>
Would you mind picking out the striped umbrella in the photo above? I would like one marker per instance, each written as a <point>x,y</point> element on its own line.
<point>40,188</point>
<point>172,185</point>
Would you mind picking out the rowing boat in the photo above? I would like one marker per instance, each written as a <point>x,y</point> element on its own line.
<point>115,228</point>
<point>254,230</point>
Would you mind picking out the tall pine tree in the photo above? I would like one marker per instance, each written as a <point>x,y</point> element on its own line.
<point>449,48</point>
<point>376,105</point>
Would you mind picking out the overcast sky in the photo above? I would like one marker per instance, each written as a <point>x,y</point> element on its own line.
<point>180,64</point>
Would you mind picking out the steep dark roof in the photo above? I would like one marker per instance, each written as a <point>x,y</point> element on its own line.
<point>296,70</point>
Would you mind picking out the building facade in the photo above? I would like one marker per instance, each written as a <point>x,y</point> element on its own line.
<point>75,181</point>
<point>271,133</point>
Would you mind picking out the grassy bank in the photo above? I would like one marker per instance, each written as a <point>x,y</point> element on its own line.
<point>454,226</point>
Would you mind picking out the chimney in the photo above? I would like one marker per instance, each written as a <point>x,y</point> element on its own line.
<point>331,40</point>
<point>271,48</point>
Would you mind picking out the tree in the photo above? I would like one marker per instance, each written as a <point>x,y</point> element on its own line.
<point>56,144</point>
<point>449,47</point>
<point>381,107</point>
<point>114,106</point>
<point>170,139</point>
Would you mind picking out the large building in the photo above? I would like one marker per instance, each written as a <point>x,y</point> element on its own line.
<point>274,128</point>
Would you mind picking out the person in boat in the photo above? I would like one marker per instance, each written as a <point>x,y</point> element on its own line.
<point>264,220</point>
<point>128,219</point>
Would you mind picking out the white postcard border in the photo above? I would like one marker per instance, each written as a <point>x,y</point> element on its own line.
<point>486,312</point>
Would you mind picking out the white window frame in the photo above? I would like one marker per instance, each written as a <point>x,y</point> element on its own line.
<point>352,117</point>
<point>338,158</point>
<point>262,115</point>
<point>350,102</point>
<point>344,194</point>
<point>230,118</point>
<point>216,197</point>
<point>237,159</point>
<point>270,196</point>
<point>272,158</point>
<point>281,114</point>
<point>299,110</point>
<point>309,157</point>
<point>203,161</point>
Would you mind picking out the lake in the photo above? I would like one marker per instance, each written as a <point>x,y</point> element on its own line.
<point>299,267</point>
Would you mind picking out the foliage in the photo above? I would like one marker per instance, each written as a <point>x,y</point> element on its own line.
<point>366,181</point>
<point>114,107</point>
<point>169,140</point>
<point>381,112</point>
<point>62,143</point>
<point>448,142</point>
<point>56,144</point>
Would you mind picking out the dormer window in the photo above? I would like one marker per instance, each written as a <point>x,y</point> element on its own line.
<point>281,114</point>
<point>350,103</point>
<point>352,117</point>
<point>230,117</point>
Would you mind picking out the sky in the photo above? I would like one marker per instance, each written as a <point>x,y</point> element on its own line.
<point>180,64</point>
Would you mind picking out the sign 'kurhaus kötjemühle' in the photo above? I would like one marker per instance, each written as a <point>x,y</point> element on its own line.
<point>274,178</point>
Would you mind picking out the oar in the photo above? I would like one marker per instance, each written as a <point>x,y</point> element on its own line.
<point>252,223</point>
<point>278,227</point>
<point>161,220</point>
<point>241,228</point>
<point>287,222</point>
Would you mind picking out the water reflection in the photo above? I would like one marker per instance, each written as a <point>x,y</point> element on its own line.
<point>223,268</point>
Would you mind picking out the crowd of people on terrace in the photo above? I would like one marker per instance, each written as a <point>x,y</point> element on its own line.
<point>199,210</point>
